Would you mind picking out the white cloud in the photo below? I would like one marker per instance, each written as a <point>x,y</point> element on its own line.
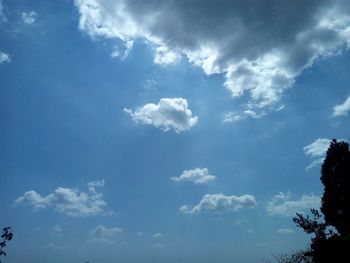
<point>219,203</point>
<point>285,231</point>
<point>232,116</point>
<point>314,163</point>
<point>69,201</point>
<point>158,235</point>
<point>250,231</point>
<point>168,114</point>
<point>29,17</point>
<point>281,204</point>
<point>2,16</point>
<point>197,176</point>
<point>158,246</point>
<point>342,109</point>
<point>4,58</point>
<point>98,183</point>
<point>57,229</point>
<point>164,56</point>
<point>122,53</point>
<point>103,232</point>
<point>317,149</point>
<point>258,46</point>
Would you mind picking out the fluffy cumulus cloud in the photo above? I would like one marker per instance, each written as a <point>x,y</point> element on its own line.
<point>282,204</point>
<point>168,114</point>
<point>4,58</point>
<point>197,176</point>
<point>29,17</point>
<point>259,46</point>
<point>220,203</point>
<point>317,151</point>
<point>342,109</point>
<point>69,201</point>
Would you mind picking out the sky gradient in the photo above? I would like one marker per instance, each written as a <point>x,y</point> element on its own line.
<point>166,131</point>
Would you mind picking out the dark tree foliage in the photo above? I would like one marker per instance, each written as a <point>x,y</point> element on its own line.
<point>336,180</point>
<point>313,226</point>
<point>6,235</point>
<point>329,246</point>
<point>297,257</point>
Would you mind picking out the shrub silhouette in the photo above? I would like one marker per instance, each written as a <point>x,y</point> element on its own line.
<point>6,235</point>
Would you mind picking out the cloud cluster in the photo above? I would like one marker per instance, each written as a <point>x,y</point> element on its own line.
<point>197,176</point>
<point>342,109</point>
<point>168,114</point>
<point>281,204</point>
<point>220,203</point>
<point>69,201</point>
<point>317,150</point>
<point>4,58</point>
<point>259,46</point>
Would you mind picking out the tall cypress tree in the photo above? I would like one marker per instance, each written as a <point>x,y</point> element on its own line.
<point>326,245</point>
<point>335,176</point>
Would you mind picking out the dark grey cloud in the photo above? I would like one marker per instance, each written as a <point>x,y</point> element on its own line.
<point>260,46</point>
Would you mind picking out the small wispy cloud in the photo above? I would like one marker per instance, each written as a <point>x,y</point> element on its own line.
<point>197,176</point>
<point>29,17</point>
<point>57,229</point>
<point>230,117</point>
<point>317,151</point>
<point>53,246</point>
<point>4,57</point>
<point>158,246</point>
<point>342,109</point>
<point>122,53</point>
<point>2,15</point>
<point>98,183</point>
<point>157,235</point>
<point>285,231</point>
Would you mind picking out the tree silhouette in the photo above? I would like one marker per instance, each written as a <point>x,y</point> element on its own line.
<point>6,235</point>
<point>336,180</point>
<point>297,257</point>
<point>331,241</point>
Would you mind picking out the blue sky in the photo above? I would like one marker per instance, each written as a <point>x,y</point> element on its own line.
<point>166,131</point>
